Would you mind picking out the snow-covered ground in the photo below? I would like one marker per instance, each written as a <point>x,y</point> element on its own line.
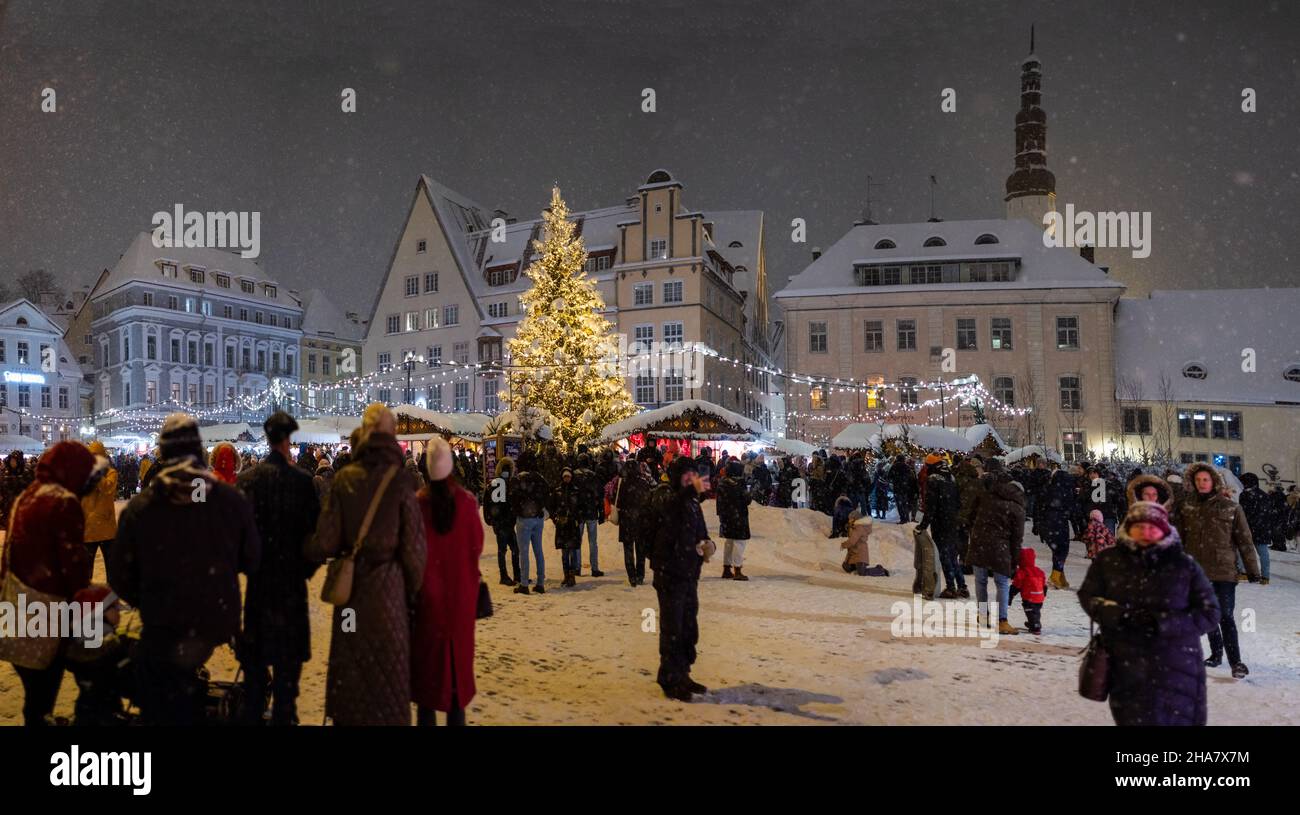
<point>800,643</point>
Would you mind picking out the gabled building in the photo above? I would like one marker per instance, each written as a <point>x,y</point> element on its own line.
<point>195,329</point>
<point>331,353</point>
<point>1211,375</point>
<point>669,276</point>
<point>40,380</point>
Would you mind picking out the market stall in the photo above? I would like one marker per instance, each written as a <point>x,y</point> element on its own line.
<point>1035,453</point>
<point>986,440</point>
<point>905,439</point>
<point>326,429</point>
<point>684,423</point>
<point>415,423</point>
<point>24,444</point>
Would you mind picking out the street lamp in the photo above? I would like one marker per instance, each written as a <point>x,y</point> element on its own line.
<point>409,363</point>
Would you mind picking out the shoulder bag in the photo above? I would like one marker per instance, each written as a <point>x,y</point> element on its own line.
<point>337,589</point>
<point>1094,671</point>
<point>613,508</point>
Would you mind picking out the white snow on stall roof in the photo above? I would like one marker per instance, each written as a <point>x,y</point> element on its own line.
<point>326,429</point>
<point>10,442</point>
<point>977,433</point>
<point>635,424</point>
<point>832,273</point>
<point>468,425</point>
<point>866,435</point>
<point>1033,450</point>
<point>214,433</point>
<point>793,447</point>
<point>1211,327</point>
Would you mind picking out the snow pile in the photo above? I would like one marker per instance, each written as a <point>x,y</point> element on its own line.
<point>749,429</point>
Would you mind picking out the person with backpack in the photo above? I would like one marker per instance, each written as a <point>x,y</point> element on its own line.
<point>942,513</point>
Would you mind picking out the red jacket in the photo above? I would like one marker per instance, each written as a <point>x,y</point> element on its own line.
<point>1029,580</point>
<point>442,640</point>
<point>46,526</point>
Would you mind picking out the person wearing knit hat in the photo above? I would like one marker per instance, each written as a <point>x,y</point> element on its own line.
<point>1152,603</point>
<point>279,426</point>
<point>437,459</point>
<point>180,438</point>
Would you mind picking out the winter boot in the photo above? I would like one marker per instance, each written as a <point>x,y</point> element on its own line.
<point>963,593</point>
<point>1214,660</point>
<point>1058,579</point>
<point>948,594</point>
<point>695,687</point>
<point>597,573</point>
<point>539,588</point>
<point>1240,670</point>
<point>726,573</point>
<point>521,589</point>
<point>569,579</point>
<point>1263,581</point>
<point>681,693</point>
<point>739,576</point>
<point>1006,629</point>
<point>506,581</point>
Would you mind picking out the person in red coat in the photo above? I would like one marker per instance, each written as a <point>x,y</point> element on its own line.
<point>1030,581</point>
<point>442,641</point>
<point>45,550</point>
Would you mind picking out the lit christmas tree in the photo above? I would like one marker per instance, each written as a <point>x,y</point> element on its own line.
<point>564,355</point>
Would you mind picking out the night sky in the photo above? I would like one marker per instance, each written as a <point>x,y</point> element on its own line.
<point>784,107</point>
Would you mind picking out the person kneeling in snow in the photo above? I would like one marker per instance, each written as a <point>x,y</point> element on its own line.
<point>1030,581</point>
<point>858,555</point>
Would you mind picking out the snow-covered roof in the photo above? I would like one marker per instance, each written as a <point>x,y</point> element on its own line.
<point>977,433</point>
<point>326,429</point>
<point>749,429</point>
<point>1039,450</point>
<point>467,425</point>
<point>10,442</point>
<point>321,317</point>
<point>214,433</point>
<point>793,447</point>
<point>1211,328</point>
<point>868,436</point>
<point>142,261</point>
<point>1017,239</point>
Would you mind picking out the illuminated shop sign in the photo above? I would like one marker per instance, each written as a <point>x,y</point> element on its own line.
<point>24,378</point>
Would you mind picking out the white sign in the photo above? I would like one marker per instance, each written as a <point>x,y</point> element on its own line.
<point>24,379</point>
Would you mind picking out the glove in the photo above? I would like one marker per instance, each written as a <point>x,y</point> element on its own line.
<point>1143,622</point>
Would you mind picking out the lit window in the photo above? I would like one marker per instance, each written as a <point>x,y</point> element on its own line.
<point>907,391</point>
<point>820,397</point>
<point>1000,333</point>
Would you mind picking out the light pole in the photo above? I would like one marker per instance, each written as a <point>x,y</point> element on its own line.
<point>409,363</point>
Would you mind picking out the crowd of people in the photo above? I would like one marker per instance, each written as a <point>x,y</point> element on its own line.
<point>1167,552</point>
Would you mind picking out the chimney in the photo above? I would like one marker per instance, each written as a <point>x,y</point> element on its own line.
<point>816,252</point>
<point>1088,253</point>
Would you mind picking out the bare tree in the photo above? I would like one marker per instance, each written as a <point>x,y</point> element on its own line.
<point>1166,416</point>
<point>1028,388</point>
<point>35,282</point>
<point>1131,393</point>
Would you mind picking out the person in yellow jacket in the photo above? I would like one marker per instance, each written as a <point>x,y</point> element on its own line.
<point>100,509</point>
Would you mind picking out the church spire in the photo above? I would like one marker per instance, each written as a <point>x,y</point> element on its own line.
<point>1031,187</point>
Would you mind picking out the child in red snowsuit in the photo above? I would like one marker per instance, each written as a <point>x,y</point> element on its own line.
<point>1030,581</point>
<point>1097,537</point>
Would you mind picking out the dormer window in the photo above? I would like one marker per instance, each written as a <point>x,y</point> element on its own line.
<point>196,275</point>
<point>934,241</point>
<point>886,243</point>
<point>168,269</point>
<point>269,291</point>
<point>1194,371</point>
<point>500,275</point>
<point>986,239</point>
<point>247,287</point>
<point>223,281</point>
<point>1292,374</point>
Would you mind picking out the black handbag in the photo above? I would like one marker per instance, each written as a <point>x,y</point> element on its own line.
<point>484,608</point>
<point>1094,671</point>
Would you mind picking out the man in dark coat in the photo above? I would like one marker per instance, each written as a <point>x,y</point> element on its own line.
<point>942,510</point>
<point>530,493</point>
<point>676,560</point>
<point>902,478</point>
<point>13,480</point>
<point>1153,603</point>
<point>1260,517</point>
<point>591,511</point>
<point>635,524</point>
<point>785,482</point>
<point>181,545</point>
<point>733,520</point>
<point>996,535</point>
<point>499,515</point>
<point>1056,506</point>
<point>277,633</point>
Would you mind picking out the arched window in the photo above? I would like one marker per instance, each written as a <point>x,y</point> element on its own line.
<point>886,243</point>
<point>1194,370</point>
<point>985,239</point>
<point>1292,374</point>
<point>935,241</point>
<point>735,245</point>
<point>659,177</point>
<point>22,321</point>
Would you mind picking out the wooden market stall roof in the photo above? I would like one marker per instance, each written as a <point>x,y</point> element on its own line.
<point>414,421</point>
<point>693,419</point>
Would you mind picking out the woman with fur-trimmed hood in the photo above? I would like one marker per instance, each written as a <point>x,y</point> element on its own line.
<point>1214,532</point>
<point>1149,487</point>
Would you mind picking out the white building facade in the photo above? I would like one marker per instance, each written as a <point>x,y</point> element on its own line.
<point>40,380</point>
